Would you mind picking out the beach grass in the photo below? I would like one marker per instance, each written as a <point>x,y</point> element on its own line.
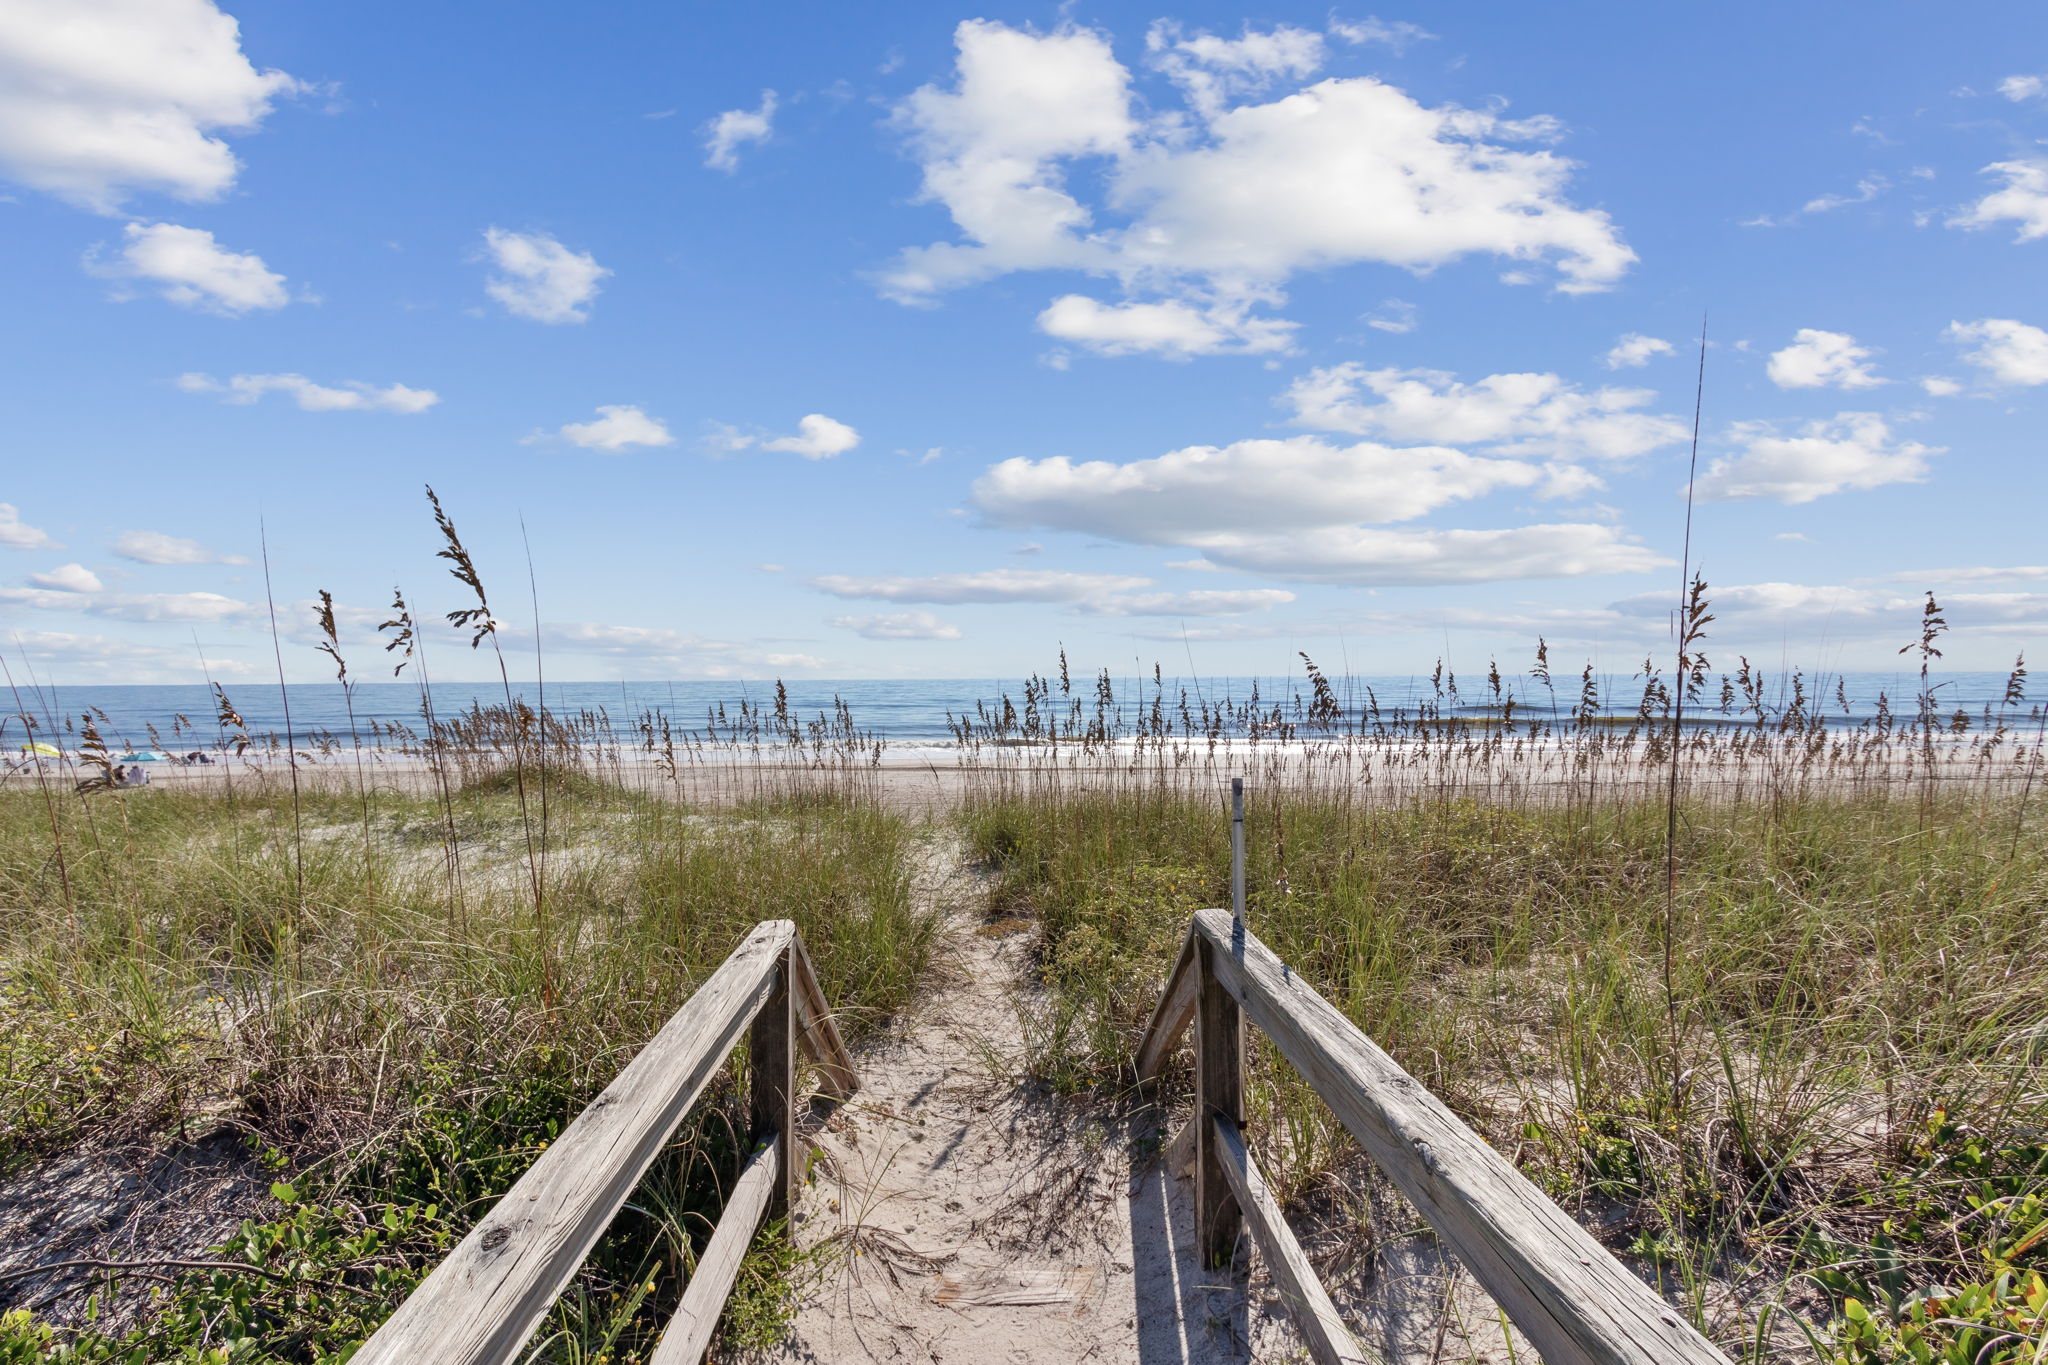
<point>1832,1105</point>
<point>366,996</point>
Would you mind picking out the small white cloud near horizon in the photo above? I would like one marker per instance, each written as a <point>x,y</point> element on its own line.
<point>186,266</point>
<point>1201,602</point>
<point>17,534</point>
<point>154,547</point>
<point>1798,537</point>
<point>2018,88</point>
<point>352,396</point>
<point>1851,450</point>
<point>1820,360</point>
<point>542,280</point>
<point>1940,386</point>
<point>1370,556</point>
<point>1634,350</point>
<point>988,585</point>
<point>733,129</point>
<point>68,578</point>
<point>902,625</point>
<point>617,427</point>
<point>141,607</point>
<point>1977,573</point>
<point>2008,351</point>
<point>99,101</point>
<point>680,650</point>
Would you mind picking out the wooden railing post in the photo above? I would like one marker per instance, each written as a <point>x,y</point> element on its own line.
<point>1219,1090</point>
<point>771,1046</point>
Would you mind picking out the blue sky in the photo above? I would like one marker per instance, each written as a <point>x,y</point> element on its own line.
<point>1200,332</point>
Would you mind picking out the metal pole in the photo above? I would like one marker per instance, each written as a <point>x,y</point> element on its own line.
<point>1237,851</point>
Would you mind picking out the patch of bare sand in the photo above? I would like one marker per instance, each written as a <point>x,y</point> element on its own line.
<point>65,1218</point>
<point>965,1215</point>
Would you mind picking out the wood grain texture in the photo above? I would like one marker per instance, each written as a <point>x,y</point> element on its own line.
<point>1219,1091</point>
<point>1328,1340</point>
<point>771,1055</point>
<point>1172,1015</point>
<point>688,1334</point>
<point>482,1303</point>
<point>1576,1303</point>
<point>818,1032</point>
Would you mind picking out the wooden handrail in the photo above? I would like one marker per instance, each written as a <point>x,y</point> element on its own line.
<point>1574,1301</point>
<point>483,1302</point>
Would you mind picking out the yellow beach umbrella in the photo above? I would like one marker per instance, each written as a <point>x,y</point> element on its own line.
<point>46,750</point>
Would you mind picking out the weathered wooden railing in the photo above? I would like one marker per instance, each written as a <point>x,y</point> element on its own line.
<point>482,1304</point>
<point>1575,1302</point>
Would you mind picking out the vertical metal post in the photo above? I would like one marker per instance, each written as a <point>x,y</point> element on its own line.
<point>1219,1089</point>
<point>1237,851</point>
<point>771,1046</point>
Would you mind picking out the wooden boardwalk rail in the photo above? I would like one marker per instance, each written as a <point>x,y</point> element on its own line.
<point>481,1305</point>
<point>1574,1301</point>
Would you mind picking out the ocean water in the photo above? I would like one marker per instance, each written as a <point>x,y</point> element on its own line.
<point>913,711</point>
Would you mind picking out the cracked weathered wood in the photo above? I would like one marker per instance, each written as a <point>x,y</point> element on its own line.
<point>817,1030</point>
<point>1576,1303</point>
<point>1172,1015</point>
<point>688,1333</point>
<point>1329,1341</point>
<point>771,1058</point>
<point>1219,1092</point>
<point>482,1303</point>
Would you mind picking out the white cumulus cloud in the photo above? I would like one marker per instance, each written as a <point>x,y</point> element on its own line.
<point>1256,485</point>
<point>154,547</point>
<point>352,396</point>
<point>617,427</point>
<point>17,534</point>
<point>902,625</point>
<point>2009,351</point>
<point>817,437</point>
<point>1634,351</point>
<point>1173,328</point>
<point>68,578</point>
<point>101,99</point>
<point>1849,450</point>
<point>2018,88</point>
<point>2023,200</point>
<point>733,129</point>
<point>540,279</point>
<point>1819,360</point>
<point>1514,413</point>
<point>1940,386</point>
<point>189,268</point>
<point>1217,206</point>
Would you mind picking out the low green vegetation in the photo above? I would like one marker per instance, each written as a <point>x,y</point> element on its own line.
<point>1827,1126</point>
<point>391,1005</point>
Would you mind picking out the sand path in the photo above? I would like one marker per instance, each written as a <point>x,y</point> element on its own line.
<point>969,1216</point>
